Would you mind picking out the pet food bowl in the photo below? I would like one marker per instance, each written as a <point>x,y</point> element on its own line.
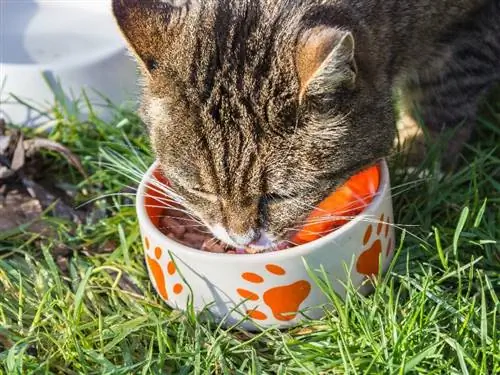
<point>273,289</point>
<point>59,49</point>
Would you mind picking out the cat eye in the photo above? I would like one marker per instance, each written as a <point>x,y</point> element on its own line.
<point>277,197</point>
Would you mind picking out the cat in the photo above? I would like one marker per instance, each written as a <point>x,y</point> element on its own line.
<point>258,109</point>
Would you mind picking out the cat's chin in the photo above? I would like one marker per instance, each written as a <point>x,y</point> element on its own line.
<point>266,242</point>
<point>275,246</point>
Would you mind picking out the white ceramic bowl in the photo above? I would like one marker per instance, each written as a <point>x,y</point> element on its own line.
<point>75,43</point>
<point>269,289</point>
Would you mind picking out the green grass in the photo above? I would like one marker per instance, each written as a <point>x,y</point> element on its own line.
<point>434,312</point>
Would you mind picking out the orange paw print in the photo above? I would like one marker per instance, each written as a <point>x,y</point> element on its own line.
<point>159,273</point>
<point>368,261</point>
<point>283,301</point>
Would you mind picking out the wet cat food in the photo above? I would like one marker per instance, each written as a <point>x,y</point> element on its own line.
<point>180,227</point>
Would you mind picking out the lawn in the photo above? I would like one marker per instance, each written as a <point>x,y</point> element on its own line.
<point>76,299</point>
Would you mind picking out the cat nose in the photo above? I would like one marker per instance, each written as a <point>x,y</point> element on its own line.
<point>245,239</point>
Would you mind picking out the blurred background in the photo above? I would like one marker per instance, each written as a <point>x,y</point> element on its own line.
<point>69,52</point>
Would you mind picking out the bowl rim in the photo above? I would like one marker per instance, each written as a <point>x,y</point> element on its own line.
<point>69,62</point>
<point>150,230</point>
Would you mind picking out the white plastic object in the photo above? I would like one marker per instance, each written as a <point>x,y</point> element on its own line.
<point>61,48</point>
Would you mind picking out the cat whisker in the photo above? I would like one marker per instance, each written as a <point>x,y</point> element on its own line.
<point>121,164</point>
<point>164,190</point>
<point>184,222</point>
<point>198,226</point>
<point>410,183</point>
<point>176,208</point>
<point>134,150</point>
<point>401,227</point>
<point>124,167</point>
<point>103,196</point>
<point>165,199</point>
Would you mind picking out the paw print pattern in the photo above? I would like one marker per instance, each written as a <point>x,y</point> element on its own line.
<point>159,273</point>
<point>283,301</point>
<point>373,242</point>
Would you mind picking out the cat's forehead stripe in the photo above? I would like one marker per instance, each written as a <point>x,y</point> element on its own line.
<point>234,158</point>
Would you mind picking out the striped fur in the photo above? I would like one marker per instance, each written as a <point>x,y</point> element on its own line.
<point>446,94</point>
<point>253,145</point>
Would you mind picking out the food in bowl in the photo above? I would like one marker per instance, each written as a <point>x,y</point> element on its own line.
<point>271,289</point>
<point>349,200</point>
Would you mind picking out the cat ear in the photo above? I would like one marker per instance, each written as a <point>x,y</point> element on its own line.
<point>144,24</point>
<point>325,59</point>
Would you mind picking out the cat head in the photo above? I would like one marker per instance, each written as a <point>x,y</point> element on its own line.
<point>256,110</point>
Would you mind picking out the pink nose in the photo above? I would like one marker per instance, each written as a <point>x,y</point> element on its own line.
<point>263,241</point>
<point>257,239</point>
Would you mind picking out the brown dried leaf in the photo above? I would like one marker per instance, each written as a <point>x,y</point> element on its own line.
<point>243,336</point>
<point>301,331</point>
<point>63,264</point>
<point>108,247</point>
<point>4,144</point>
<point>18,209</point>
<point>18,158</point>
<point>61,249</point>
<point>5,172</point>
<point>46,199</point>
<point>125,283</point>
<point>5,342</point>
<point>33,145</point>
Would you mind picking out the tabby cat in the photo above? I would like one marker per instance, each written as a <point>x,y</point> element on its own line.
<point>258,109</point>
